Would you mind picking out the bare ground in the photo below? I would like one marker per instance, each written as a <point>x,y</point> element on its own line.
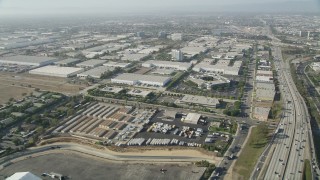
<point>47,83</point>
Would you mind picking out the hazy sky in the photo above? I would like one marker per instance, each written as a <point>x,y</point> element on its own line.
<point>15,7</point>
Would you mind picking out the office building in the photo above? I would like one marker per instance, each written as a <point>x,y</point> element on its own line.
<point>176,55</point>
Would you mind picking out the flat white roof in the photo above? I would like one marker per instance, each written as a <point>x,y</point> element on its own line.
<point>168,63</point>
<point>139,92</point>
<point>27,59</point>
<point>140,77</point>
<point>192,118</point>
<point>58,70</point>
<point>116,64</point>
<point>112,89</point>
<point>97,72</point>
<point>133,57</point>
<point>200,100</point>
<point>92,62</point>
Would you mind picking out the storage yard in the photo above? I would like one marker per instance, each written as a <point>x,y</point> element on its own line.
<point>107,122</point>
<point>129,126</point>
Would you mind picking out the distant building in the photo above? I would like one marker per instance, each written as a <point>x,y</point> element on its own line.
<point>140,34</point>
<point>191,51</point>
<point>95,72</point>
<point>192,118</point>
<point>182,66</point>
<point>176,55</point>
<point>138,79</point>
<point>91,63</point>
<point>176,37</point>
<point>315,66</point>
<point>222,67</point>
<point>162,35</point>
<point>56,71</point>
<point>117,64</point>
<point>67,62</point>
<point>198,100</point>
<point>28,60</point>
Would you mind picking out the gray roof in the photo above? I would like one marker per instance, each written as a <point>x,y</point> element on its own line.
<point>68,61</point>
<point>200,100</point>
<point>140,77</point>
<point>92,62</point>
<point>97,72</point>
<point>27,59</point>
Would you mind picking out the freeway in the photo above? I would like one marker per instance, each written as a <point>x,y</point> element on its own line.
<point>291,143</point>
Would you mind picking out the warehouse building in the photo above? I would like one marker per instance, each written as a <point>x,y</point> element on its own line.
<point>198,100</point>
<point>56,71</point>
<point>192,118</point>
<point>143,80</point>
<point>95,72</point>
<point>67,62</point>
<point>191,51</point>
<point>182,66</point>
<point>117,64</point>
<point>222,67</point>
<point>91,63</point>
<point>28,60</point>
<point>133,57</point>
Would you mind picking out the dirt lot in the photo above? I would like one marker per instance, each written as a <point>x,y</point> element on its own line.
<point>9,91</point>
<point>53,84</point>
<point>82,167</point>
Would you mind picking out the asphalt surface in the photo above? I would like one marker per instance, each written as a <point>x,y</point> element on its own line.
<point>76,166</point>
<point>93,152</point>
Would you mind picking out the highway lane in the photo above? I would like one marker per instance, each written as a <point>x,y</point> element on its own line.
<point>289,147</point>
<point>281,141</point>
<point>298,151</point>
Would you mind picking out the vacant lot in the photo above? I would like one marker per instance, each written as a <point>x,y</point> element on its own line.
<point>79,167</point>
<point>47,83</point>
<point>9,91</point>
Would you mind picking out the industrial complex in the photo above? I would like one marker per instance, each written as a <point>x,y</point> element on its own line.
<point>181,66</point>
<point>28,60</point>
<point>138,79</point>
<point>56,71</point>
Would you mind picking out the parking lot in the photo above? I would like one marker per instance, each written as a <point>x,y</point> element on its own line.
<point>84,168</point>
<point>174,133</point>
